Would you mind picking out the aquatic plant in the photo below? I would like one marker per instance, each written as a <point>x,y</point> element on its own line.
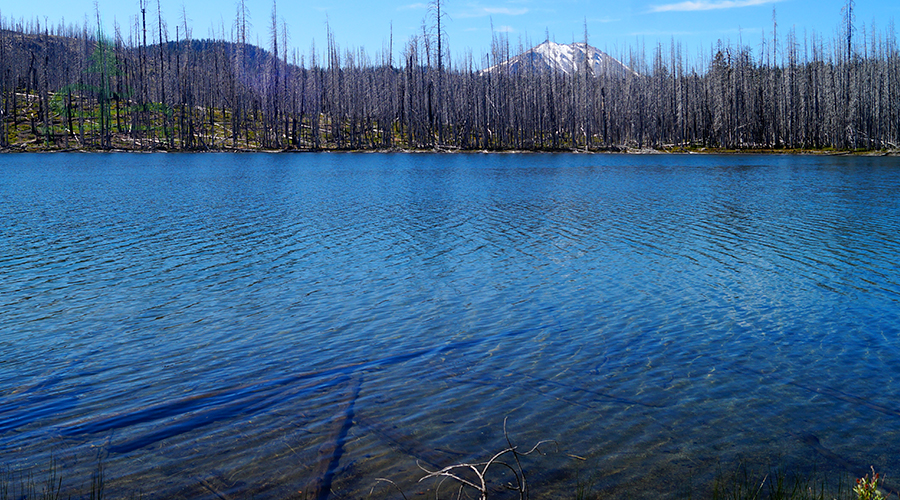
<point>867,489</point>
<point>778,484</point>
<point>27,487</point>
<point>12,487</point>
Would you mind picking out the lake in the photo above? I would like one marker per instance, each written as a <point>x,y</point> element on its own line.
<point>269,325</point>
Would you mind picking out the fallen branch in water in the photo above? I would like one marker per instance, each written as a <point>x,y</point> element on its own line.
<point>463,473</point>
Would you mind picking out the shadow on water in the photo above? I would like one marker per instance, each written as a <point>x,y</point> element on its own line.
<point>192,412</point>
<point>330,453</point>
<point>747,287</point>
<point>344,384</point>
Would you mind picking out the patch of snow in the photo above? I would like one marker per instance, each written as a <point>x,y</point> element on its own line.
<point>564,58</point>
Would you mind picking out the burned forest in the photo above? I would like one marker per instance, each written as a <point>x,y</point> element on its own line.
<point>150,87</point>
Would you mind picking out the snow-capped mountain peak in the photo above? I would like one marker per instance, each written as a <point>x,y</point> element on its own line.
<point>564,58</point>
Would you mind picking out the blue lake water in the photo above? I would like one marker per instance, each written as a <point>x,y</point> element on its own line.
<point>252,325</point>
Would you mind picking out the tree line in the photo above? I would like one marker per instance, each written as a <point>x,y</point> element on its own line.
<point>74,87</point>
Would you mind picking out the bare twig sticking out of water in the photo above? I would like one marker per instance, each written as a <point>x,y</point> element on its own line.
<point>479,483</point>
<point>381,479</point>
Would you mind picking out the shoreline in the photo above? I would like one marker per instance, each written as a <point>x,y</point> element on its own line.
<point>624,150</point>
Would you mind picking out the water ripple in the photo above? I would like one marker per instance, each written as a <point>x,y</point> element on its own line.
<point>201,320</point>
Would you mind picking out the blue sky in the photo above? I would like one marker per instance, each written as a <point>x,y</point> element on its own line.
<point>613,25</point>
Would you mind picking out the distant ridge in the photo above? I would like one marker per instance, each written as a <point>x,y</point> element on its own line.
<point>564,59</point>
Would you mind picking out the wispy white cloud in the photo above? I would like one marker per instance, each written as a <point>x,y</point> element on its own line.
<point>504,29</point>
<point>695,5</point>
<point>482,11</point>
<point>413,6</point>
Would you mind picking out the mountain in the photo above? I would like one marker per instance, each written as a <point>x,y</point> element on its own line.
<point>59,59</point>
<point>564,58</point>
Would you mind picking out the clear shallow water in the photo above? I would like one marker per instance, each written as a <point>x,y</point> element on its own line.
<point>257,325</point>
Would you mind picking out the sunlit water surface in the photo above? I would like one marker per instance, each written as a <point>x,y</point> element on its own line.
<point>221,326</point>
